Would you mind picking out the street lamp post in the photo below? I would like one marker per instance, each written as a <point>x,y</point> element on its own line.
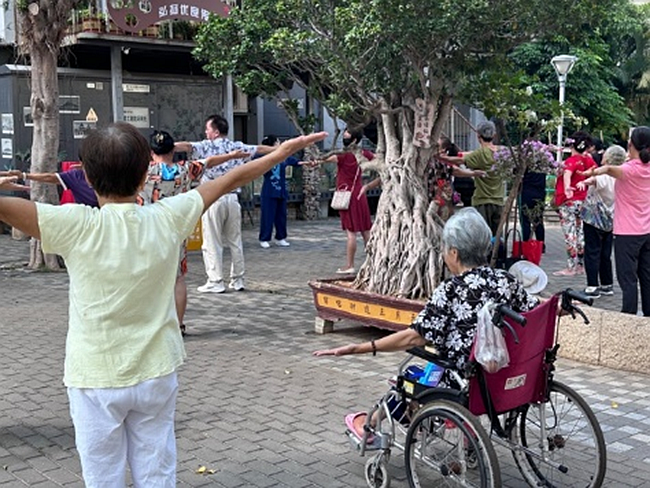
<point>563,65</point>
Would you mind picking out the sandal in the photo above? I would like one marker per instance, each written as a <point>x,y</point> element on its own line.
<point>345,271</point>
<point>355,422</point>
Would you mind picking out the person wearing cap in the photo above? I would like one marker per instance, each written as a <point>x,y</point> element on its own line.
<point>448,320</point>
<point>489,193</point>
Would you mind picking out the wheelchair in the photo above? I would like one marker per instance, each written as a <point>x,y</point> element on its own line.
<point>448,435</point>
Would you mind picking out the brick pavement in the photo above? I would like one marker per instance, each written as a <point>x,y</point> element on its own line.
<point>254,404</point>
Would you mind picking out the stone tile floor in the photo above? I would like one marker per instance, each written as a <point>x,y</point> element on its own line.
<point>254,404</point>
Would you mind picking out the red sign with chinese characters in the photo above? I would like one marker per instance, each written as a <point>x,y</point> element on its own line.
<point>134,15</point>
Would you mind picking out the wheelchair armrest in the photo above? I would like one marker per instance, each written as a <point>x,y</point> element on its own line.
<point>421,352</point>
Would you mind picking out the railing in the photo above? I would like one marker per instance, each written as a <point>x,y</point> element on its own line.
<point>94,18</point>
<point>459,130</point>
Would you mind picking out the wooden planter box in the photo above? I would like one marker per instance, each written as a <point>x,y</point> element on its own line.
<point>91,24</point>
<point>335,300</point>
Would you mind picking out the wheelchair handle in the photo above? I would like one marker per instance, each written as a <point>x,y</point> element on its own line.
<point>579,296</point>
<point>568,295</point>
<point>422,353</point>
<point>505,311</point>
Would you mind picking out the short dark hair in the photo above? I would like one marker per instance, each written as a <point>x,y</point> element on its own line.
<point>640,138</point>
<point>581,141</point>
<point>356,135</point>
<point>448,147</point>
<point>219,123</point>
<point>161,142</point>
<point>269,140</point>
<point>115,159</point>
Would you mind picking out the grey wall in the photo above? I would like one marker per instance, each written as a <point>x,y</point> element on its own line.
<point>177,104</point>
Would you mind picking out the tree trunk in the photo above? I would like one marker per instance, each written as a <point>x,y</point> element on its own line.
<point>311,192</point>
<point>45,145</point>
<point>403,256</point>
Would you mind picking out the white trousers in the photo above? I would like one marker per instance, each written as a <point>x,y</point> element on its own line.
<point>135,424</point>
<point>222,227</point>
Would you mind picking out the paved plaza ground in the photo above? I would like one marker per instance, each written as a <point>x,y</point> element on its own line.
<point>254,404</point>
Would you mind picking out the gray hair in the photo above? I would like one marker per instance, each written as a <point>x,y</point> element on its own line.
<point>486,130</point>
<point>468,233</point>
<point>614,156</point>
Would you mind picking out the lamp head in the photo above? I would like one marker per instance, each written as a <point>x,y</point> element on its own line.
<point>563,64</point>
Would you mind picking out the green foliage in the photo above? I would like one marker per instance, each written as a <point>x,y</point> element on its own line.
<point>357,56</point>
<point>610,63</point>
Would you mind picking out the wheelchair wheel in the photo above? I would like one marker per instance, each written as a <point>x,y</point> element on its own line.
<point>376,472</point>
<point>574,445</point>
<point>447,446</point>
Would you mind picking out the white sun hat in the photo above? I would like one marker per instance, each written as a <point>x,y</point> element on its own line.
<point>532,277</point>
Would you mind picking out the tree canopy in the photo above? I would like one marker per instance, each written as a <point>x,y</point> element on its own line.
<point>610,63</point>
<point>401,62</point>
<point>351,55</point>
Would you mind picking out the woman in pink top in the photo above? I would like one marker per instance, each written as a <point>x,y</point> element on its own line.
<point>632,221</point>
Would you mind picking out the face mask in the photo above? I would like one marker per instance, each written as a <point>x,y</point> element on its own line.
<point>347,141</point>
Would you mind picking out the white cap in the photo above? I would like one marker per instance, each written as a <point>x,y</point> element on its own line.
<point>532,277</point>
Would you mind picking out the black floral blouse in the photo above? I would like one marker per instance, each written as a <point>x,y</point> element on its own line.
<point>449,318</point>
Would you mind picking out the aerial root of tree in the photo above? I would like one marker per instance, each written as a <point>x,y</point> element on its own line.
<point>405,242</point>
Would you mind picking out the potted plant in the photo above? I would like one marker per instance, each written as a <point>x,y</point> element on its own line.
<point>152,31</point>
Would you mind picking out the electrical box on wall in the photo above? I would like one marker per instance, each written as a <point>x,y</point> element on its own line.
<point>240,101</point>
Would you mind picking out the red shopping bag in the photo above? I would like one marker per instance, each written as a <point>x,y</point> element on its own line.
<point>66,196</point>
<point>530,250</point>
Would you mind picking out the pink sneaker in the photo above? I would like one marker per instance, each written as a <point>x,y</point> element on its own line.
<point>565,272</point>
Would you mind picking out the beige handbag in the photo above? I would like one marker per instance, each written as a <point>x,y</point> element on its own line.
<point>342,196</point>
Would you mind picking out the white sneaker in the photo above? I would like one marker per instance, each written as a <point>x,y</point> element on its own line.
<point>237,284</point>
<point>282,243</point>
<point>212,287</point>
<point>264,244</point>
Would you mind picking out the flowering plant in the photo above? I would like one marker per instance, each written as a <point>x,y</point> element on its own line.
<point>529,155</point>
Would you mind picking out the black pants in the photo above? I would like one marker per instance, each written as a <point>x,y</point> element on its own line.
<point>598,256</point>
<point>632,254</point>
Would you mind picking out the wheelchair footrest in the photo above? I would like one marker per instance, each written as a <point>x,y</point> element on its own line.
<point>355,442</point>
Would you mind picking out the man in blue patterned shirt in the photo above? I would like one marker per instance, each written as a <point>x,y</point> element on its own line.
<point>221,223</point>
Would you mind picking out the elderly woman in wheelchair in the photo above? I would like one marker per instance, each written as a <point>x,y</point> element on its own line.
<point>445,440</point>
<point>448,320</point>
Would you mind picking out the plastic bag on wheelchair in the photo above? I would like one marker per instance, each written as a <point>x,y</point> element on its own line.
<point>490,350</point>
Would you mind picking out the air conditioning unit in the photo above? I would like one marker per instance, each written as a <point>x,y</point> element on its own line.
<point>240,101</point>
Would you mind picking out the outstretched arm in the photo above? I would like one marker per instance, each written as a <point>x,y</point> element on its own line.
<point>265,149</point>
<point>399,341</point>
<point>614,171</point>
<point>369,186</point>
<point>213,190</point>
<point>50,178</point>
<point>18,212</point>
<point>467,173</point>
<point>183,147</point>
<point>211,161</point>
